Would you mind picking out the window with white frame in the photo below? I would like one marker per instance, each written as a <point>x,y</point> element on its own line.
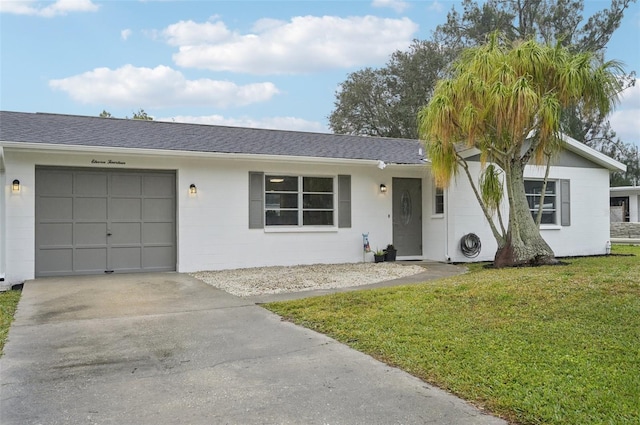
<point>299,200</point>
<point>533,190</point>
<point>438,201</point>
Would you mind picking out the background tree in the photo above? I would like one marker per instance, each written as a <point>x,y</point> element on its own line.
<point>549,21</point>
<point>383,102</point>
<point>552,21</point>
<point>139,115</point>
<point>628,154</point>
<point>500,94</point>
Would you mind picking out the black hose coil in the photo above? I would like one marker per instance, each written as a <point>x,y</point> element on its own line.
<point>470,245</point>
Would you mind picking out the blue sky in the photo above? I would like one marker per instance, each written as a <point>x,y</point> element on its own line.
<point>269,64</point>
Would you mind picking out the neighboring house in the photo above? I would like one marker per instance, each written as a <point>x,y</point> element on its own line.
<point>90,195</point>
<point>625,204</point>
<point>625,214</point>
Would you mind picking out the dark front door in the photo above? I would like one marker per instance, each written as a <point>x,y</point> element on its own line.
<point>407,216</point>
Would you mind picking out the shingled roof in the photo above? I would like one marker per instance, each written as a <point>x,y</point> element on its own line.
<point>71,130</point>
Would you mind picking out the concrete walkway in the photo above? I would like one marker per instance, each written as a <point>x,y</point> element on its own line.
<point>169,349</point>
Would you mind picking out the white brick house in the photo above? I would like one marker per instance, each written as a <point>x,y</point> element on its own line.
<point>88,195</point>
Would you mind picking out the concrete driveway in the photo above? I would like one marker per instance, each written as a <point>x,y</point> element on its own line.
<point>168,349</point>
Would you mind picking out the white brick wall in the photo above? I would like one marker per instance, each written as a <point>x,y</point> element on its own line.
<point>212,226</point>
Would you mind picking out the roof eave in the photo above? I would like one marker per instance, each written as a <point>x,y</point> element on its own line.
<point>47,147</point>
<point>625,189</point>
<point>593,155</point>
<point>574,146</point>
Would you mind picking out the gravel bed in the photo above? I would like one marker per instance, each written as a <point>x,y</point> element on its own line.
<point>277,280</point>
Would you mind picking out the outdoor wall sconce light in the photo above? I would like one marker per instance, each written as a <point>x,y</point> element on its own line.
<point>383,188</point>
<point>15,186</point>
<point>192,189</point>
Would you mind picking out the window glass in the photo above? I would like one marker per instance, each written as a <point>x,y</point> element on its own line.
<point>533,190</point>
<point>438,204</point>
<point>281,200</point>
<point>281,217</point>
<point>316,201</point>
<point>281,184</point>
<point>317,218</point>
<point>299,201</point>
<point>317,184</point>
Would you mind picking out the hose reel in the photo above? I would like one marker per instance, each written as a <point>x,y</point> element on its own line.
<point>470,245</point>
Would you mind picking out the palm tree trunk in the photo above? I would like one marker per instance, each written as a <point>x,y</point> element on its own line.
<point>523,244</point>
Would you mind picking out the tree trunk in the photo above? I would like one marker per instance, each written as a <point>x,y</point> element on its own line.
<point>523,245</point>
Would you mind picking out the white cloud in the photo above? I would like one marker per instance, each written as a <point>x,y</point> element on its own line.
<point>630,97</point>
<point>274,123</point>
<point>192,33</point>
<point>304,44</point>
<point>266,24</point>
<point>397,5</point>
<point>436,6</point>
<point>125,34</point>
<point>625,121</point>
<point>158,87</point>
<point>57,8</point>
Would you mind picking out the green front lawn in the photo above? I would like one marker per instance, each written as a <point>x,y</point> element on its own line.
<point>555,344</point>
<point>8,303</point>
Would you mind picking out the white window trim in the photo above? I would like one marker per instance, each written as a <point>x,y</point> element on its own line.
<point>300,227</point>
<point>556,196</point>
<point>434,203</point>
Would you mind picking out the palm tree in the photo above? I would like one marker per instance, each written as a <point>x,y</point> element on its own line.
<point>505,100</point>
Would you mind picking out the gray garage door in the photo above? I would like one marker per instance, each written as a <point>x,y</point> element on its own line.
<point>104,221</point>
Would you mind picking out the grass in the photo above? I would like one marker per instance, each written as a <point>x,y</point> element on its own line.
<point>546,345</point>
<point>8,303</point>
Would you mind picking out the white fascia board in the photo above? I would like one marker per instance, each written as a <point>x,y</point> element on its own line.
<point>625,189</point>
<point>467,152</point>
<point>43,147</point>
<point>574,146</point>
<point>592,154</point>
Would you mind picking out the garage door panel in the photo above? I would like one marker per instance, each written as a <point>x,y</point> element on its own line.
<point>55,261</point>
<point>90,260</point>
<point>125,209</point>
<point>55,208</point>
<point>54,182</point>
<point>158,210</point>
<point>125,259</point>
<point>158,233</point>
<point>125,233</point>
<point>55,234</point>
<point>91,233</point>
<point>96,221</point>
<point>126,185</point>
<point>90,209</point>
<point>157,257</point>
<point>159,185</point>
<point>91,184</point>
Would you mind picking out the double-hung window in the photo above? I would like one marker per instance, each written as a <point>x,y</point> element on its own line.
<point>299,200</point>
<point>533,190</point>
